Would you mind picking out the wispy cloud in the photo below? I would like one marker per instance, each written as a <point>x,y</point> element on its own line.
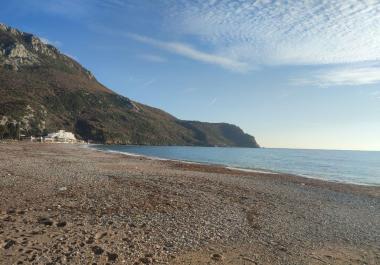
<point>213,101</point>
<point>47,41</point>
<point>241,35</point>
<point>192,53</point>
<point>148,82</point>
<point>72,56</point>
<point>344,75</point>
<point>153,58</point>
<point>283,32</point>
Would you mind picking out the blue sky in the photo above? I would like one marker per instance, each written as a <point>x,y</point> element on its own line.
<point>298,74</point>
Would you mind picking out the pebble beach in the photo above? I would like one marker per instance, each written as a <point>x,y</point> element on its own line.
<point>67,204</point>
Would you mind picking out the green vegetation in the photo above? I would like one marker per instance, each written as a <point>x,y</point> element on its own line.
<point>10,131</point>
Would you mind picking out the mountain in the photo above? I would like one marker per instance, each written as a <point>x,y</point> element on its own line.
<point>43,90</point>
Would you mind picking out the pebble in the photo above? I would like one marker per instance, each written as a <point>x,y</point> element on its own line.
<point>112,256</point>
<point>97,250</point>
<point>11,211</point>
<point>100,235</point>
<point>45,221</point>
<point>61,224</point>
<point>9,243</point>
<point>216,257</point>
<point>146,260</point>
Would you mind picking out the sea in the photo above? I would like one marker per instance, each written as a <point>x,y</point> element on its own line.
<point>356,167</point>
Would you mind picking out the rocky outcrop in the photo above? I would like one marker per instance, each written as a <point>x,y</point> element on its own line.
<point>17,51</point>
<point>23,49</point>
<point>13,51</point>
<point>17,55</point>
<point>40,47</point>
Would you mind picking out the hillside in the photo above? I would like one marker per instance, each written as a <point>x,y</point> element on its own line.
<point>43,90</point>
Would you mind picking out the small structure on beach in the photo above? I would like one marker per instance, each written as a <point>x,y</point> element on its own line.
<point>61,137</point>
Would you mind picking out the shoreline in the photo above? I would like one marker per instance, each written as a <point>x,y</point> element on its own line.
<point>261,171</point>
<point>252,170</point>
<point>66,204</point>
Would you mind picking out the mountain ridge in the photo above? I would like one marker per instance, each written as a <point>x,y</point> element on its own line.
<point>43,90</point>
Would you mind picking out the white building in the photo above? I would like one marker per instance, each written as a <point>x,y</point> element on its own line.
<point>61,136</point>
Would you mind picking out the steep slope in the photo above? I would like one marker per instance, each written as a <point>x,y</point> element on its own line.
<point>43,90</point>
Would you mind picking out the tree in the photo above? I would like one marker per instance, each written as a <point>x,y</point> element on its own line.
<point>3,131</point>
<point>17,131</point>
<point>13,130</point>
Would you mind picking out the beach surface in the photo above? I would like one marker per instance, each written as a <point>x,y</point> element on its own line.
<point>67,204</point>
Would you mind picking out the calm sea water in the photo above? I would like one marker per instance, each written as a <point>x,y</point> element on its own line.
<point>358,167</point>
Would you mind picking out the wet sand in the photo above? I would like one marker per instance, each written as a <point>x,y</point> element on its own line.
<point>65,204</point>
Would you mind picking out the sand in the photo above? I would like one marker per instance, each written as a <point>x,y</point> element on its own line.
<point>65,204</point>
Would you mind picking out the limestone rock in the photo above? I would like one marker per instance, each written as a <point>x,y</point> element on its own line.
<point>18,51</point>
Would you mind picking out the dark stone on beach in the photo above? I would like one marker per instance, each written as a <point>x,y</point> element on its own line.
<point>61,224</point>
<point>146,260</point>
<point>11,211</point>
<point>45,221</point>
<point>112,256</point>
<point>8,219</point>
<point>9,243</point>
<point>282,248</point>
<point>216,257</point>
<point>90,240</point>
<point>97,250</point>
<point>169,244</point>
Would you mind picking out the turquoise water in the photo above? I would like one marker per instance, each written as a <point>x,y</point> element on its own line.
<point>358,167</point>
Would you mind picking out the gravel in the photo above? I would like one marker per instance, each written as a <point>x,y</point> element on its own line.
<point>65,204</point>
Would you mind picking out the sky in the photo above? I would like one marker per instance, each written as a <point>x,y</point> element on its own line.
<point>295,74</point>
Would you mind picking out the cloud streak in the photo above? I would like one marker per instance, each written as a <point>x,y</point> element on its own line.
<point>192,53</point>
<point>213,101</point>
<point>339,76</point>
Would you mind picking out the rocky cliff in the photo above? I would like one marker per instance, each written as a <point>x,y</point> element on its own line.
<point>43,90</point>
